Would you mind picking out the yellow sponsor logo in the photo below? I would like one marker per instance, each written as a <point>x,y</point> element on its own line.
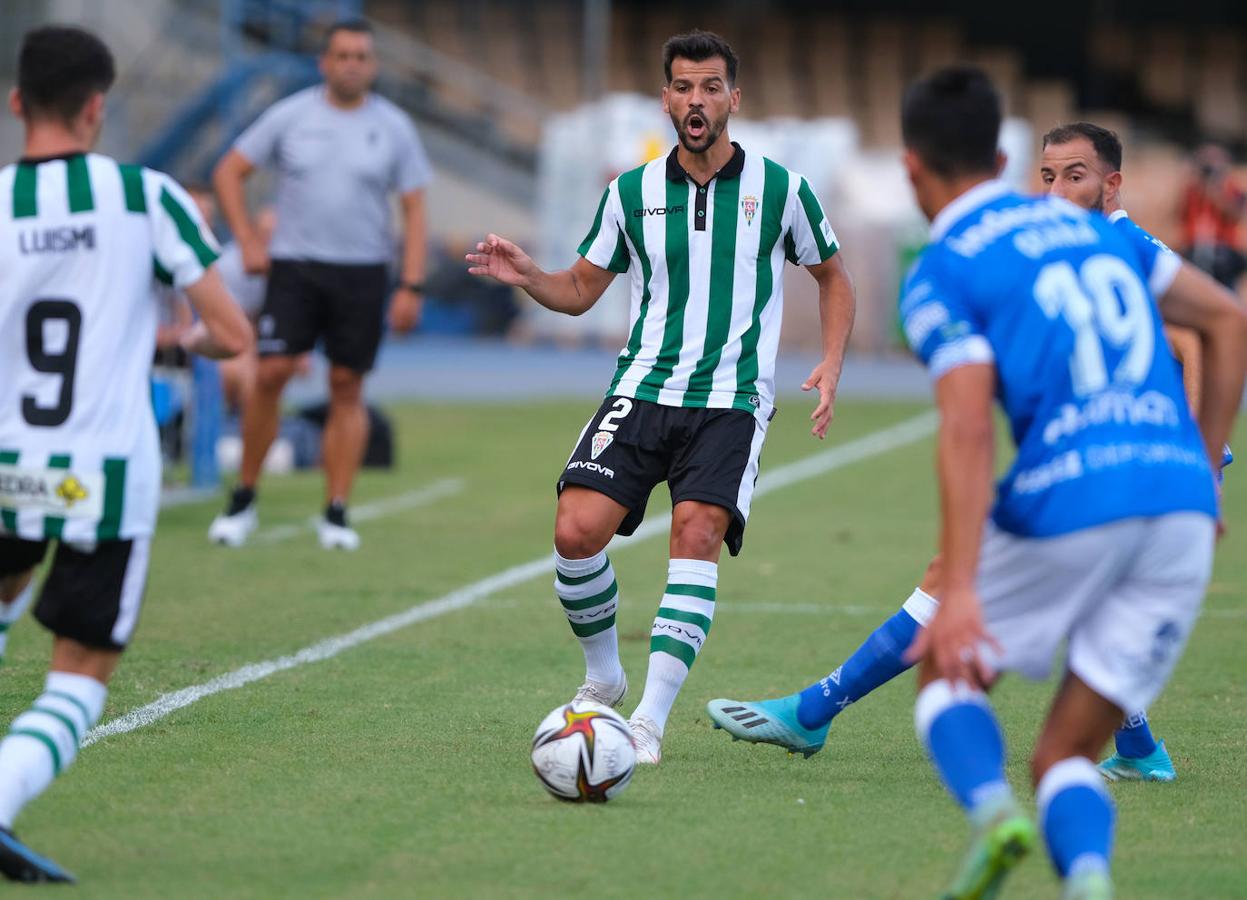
<point>71,491</point>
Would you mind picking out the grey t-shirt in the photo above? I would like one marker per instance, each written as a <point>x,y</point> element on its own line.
<point>336,171</point>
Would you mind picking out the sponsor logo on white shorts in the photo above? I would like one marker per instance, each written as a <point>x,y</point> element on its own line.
<point>601,441</point>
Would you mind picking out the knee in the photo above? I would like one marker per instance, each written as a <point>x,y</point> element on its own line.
<point>345,387</point>
<point>575,538</point>
<point>697,537</point>
<point>272,375</point>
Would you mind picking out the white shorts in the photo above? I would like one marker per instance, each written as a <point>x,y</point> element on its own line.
<point>1125,596</point>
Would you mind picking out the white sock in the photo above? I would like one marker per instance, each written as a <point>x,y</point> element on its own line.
<point>680,629</point>
<point>589,594</point>
<point>44,740</point>
<point>921,607</point>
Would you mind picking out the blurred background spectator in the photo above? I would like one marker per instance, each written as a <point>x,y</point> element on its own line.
<point>1211,213</point>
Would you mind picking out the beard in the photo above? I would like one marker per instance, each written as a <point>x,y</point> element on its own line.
<point>1098,204</point>
<point>709,131</point>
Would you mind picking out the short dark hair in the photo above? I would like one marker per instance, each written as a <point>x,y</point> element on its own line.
<point>951,119</point>
<point>698,45</point>
<point>355,26</point>
<point>1107,144</point>
<point>58,69</point>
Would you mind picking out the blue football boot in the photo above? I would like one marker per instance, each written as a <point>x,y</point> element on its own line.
<point>768,722</point>
<point>1156,766</point>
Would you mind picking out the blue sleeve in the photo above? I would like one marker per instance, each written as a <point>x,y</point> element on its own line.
<point>939,324</point>
<point>1158,263</point>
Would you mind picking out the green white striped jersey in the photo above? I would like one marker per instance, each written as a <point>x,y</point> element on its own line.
<point>706,270</point>
<point>81,240</point>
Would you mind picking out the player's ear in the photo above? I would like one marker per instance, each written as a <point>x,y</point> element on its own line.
<point>734,105</point>
<point>1112,184</point>
<point>1001,160</point>
<point>913,164</point>
<point>666,107</point>
<point>15,103</point>
<point>94,107</point>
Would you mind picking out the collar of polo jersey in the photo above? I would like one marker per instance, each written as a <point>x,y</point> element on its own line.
<point>1118,214</point>
<point>731,169</point>
<point>978,196</point>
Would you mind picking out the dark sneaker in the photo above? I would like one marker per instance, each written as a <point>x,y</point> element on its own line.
<point>19,863</point>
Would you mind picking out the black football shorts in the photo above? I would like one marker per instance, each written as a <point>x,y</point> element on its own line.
<point>341,305</point>
<point>92,597</point>
<point>710,455</point>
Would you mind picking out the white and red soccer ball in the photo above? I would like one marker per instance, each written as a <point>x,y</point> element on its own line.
<point>583,753</point>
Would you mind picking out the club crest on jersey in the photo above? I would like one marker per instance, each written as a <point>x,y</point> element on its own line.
<point>601,441</point>
<point>749,205</point>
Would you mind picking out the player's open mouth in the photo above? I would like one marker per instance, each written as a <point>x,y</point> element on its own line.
<point>695,126</point>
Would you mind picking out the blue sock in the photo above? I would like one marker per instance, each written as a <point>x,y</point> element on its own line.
<point>958,727</point>
<point>1076,816</point>
<point>1134,738</point>
<point>877,661</point>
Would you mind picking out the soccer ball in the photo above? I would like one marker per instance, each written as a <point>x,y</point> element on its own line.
<point>583,752</point>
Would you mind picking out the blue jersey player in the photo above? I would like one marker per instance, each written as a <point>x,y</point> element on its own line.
<point>1082,163</point>
<point>1101,533</point>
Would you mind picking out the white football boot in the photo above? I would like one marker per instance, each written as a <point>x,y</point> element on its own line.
<point>233,531</point>
<point>600,692</point>
<point>336,537</point>
<point>647,738</point>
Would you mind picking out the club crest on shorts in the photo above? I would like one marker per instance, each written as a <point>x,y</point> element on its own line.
<point>749,205</point>
<point>601,440</point>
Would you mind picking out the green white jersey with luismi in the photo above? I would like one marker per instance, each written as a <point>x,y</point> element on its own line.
<point>83,239</point>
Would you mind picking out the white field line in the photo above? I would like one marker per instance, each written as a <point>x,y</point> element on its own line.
<point>879,442</point>
<point>366,512</point>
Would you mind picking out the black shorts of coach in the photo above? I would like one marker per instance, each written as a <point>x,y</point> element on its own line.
<point>342,306</point>
<point>710,455</point>
<point>92,597</point>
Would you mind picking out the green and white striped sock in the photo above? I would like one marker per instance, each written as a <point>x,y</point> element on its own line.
<point>44,740</point>
<point>589,593</point>
<point>680,630</point>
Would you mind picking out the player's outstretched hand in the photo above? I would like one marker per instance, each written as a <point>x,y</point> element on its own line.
<point>502,260</point>
<point>953,640</point>
<point>823,379</point>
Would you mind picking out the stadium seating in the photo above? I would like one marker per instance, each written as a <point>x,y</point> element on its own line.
<point>826,63</point>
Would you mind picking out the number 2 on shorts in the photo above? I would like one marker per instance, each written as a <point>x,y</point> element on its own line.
<point>621,408</point>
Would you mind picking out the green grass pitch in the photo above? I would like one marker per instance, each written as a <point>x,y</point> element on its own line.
<point>400,767</point>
